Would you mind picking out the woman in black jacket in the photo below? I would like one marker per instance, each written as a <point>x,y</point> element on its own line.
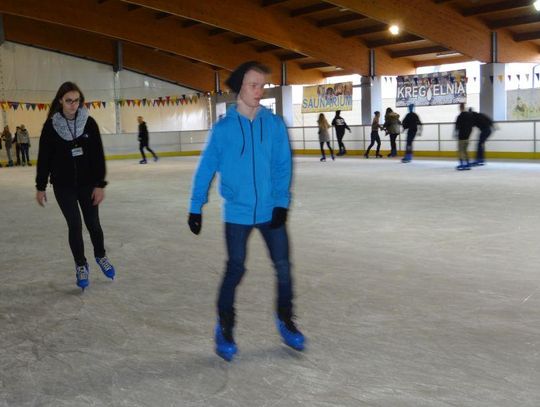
<point>71,155</point>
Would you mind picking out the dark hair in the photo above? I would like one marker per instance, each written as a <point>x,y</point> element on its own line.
<point>388,110</point>
<point>234,82</point>
<point>338,112</point>
<point>62,90</point>
<point>377,112</point>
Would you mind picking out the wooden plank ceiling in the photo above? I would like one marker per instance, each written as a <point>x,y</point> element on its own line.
<point>187,41</point>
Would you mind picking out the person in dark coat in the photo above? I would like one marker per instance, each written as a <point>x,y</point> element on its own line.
<point>339,123</point>
<point>143,140</point>
<point>392,127</point>
<point>485,125</point>
<point>71,157</point>
<point>464,125</point>
<point>411,122</point>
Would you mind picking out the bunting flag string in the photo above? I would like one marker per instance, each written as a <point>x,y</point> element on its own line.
<point>101,104</point>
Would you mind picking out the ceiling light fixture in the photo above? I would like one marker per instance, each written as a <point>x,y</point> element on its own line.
<point>394,29</point>
<point>536,5</point>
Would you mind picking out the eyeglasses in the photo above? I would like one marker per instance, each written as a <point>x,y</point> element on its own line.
<point>72,101</point>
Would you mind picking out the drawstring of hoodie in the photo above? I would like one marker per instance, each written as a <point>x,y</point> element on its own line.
<point>243,136</point>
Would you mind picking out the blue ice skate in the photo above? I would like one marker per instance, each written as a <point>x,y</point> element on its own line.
<point>82,272</point>
<point>225,346</point>
<point>106,266</point>
<point>290,334</point>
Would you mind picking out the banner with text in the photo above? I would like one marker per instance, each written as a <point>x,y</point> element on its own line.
<point>437,88</point>
<point>327,98</point>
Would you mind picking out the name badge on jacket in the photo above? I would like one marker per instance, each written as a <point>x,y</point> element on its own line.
<point>76,152</point>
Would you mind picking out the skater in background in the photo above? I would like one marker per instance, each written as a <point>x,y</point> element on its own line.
<point>392,127</point>
<point>324,136</point>
<point>143,141</point>
<point>71,154</point>
<point>375,127</point>
<point>8,141</point>
<point>339,123</point>
<point>464,125</point>
<point>411,123</point>
<point>17,146</point>
<point>486,126</point>
<point>250,149</point>
<point>23,141</point>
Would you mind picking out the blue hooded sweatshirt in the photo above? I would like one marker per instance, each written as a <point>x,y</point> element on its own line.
<point>253,158</point>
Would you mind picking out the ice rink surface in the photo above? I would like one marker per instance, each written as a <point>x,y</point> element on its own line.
<point>416,285</point>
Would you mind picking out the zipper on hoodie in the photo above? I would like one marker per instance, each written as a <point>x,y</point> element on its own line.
<point>254,177</point>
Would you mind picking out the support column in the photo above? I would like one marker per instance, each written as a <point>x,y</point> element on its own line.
<point>2,86</point>
<point>283,73</point>
<point>284,104</point>
<point>371,91</point>
<point>371,97</point>
<point>492,89</point>
<point>117,114</point>
<point>118,65</point>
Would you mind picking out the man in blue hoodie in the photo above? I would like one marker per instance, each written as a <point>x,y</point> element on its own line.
<point>250,149</point>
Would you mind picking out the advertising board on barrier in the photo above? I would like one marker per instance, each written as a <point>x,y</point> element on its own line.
<point>437,88</point>
<point>327,98</point>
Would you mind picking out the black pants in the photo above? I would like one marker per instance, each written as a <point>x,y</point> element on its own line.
<point>411,134</point>
<point>141,149</point>
<point>24,153</point>
<point>69,199</point>
<point>330,148</point>
<point>393,145</point>
<point>18,153</point>
<point>484,134</point>
<point>339,137</point>
<point>374,139</point>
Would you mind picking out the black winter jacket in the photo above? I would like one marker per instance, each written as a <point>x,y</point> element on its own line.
<point>55,158</point>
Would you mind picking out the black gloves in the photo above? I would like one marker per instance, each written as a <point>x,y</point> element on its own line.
<point>195,222</point>
<point>279,217</point>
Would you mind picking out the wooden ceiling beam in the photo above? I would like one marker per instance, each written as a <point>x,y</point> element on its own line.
<point>294,34</point>
<point>347,18</point>
<point>444,26</point>
<point>162,35</point>
<point>527,36</point>
<point>510,22</point>
<point>291,56</point>
<point>491,8</point>
<point>315,8</point>
<point>314,65</point>
<point>101,49</point>
<point>417,51</point>
<point>189,23</point>
<point>268,3</point>
<point>400,39</point>
<point>377,28</point>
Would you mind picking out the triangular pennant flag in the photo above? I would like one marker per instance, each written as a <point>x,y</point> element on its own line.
<point>527,76</point>
<point>501,77</point>
<point>491,78</point>
<point>518,76</point>
<point>474,78</point>
<point>16,105</point>
<point>537,76</point>
<point>509,78</point>
<point>104,104</point>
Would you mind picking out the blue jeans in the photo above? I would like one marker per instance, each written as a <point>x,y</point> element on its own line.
<point>278,246</point>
